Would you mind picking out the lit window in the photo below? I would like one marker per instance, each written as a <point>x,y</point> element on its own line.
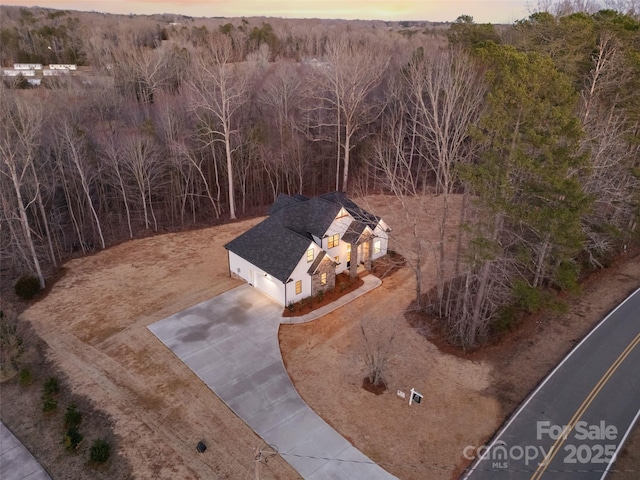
<point>348,253</point>
<point>376,247</point>
<point>323,279</point>
<point>337,258</point>
<point>310,255</point>
<point>334,241</point>
<point>298,287</point>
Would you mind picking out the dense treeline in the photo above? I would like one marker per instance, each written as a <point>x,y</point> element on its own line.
<point>177,122</point>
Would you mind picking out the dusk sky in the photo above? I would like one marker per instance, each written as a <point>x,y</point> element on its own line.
<point>494,11</point>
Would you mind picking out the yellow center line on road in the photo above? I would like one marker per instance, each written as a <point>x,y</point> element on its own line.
<point>542,467</point>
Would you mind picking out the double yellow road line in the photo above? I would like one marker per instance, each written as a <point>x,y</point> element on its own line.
<point>542,467</point>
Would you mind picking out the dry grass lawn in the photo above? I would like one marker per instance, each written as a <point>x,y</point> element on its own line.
<point>95,317</point>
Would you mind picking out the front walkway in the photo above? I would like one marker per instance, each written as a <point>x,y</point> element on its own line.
<point>231,343</point>
<point>16,462</point>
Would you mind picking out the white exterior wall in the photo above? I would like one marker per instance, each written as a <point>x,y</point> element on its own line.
<point>257,277</point>
<point>383,237</point>
<point>300,273</point>
<point>339,225</point>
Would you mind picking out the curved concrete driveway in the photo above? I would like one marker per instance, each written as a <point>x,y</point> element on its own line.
<point>231,343</point>
<point>16,462</point>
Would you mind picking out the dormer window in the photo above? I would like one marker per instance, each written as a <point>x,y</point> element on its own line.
<point>333,241</point>
<point>310,255</point>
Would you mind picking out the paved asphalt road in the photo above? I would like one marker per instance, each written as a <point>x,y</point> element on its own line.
<point>576,421</point>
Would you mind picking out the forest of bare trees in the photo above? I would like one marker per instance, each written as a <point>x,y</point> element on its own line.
<point>179,122</point>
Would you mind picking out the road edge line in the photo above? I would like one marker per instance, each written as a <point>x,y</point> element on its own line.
<point>524,404</point>
<point>620,445</point>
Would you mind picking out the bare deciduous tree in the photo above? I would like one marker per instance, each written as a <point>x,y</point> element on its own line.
<point>219,89</point>
<point>352,74</point>
<point>281,96</point>
<point>20,128</point>
<point>140,162</point>
<point>76,153</point>
<point>447,97</point>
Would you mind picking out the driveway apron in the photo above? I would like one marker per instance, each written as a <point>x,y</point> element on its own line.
<point>231,343</point>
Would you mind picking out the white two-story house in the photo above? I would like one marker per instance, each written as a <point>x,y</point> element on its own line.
<point>304,243</point>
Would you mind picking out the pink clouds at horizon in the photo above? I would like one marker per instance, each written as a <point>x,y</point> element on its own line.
<point>495,11</point>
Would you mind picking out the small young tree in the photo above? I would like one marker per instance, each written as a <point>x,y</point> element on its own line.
<point>377,340</point>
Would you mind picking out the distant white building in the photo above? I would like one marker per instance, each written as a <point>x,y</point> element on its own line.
<point>27,66</point>
<point>315,63</point>
<point>15,73</point>
<point>63,66</point>
<point>35,82</point>
<point>56,72</point>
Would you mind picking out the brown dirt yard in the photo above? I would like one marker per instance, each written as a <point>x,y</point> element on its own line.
<point>94,321</point>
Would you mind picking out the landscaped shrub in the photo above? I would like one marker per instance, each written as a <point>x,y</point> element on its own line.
<point>50,389</point>
<point>72,418</point>
<point>27,286</point>
<point>100,451</point>
<point>49,403</point>
<point>51,386</point>
<point>72,438</point>
<point>25,377</point>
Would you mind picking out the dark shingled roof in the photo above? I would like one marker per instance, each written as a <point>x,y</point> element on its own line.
<point>281,202</point>
<point>316,263</point>
<point>352,235</point>
<point>354,210</point>
<point>276,244</point>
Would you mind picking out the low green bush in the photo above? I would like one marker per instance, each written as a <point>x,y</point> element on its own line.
<point>51,386</point>
<point>100,451</point>
<point>49,403</point>
<point>72,438</point>
<point>26,377</point>
<point>27,287</point>
<point>72,417</point>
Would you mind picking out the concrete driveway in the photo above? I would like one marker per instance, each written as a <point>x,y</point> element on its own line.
<point>16,462</point>
<point>231,343</point>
